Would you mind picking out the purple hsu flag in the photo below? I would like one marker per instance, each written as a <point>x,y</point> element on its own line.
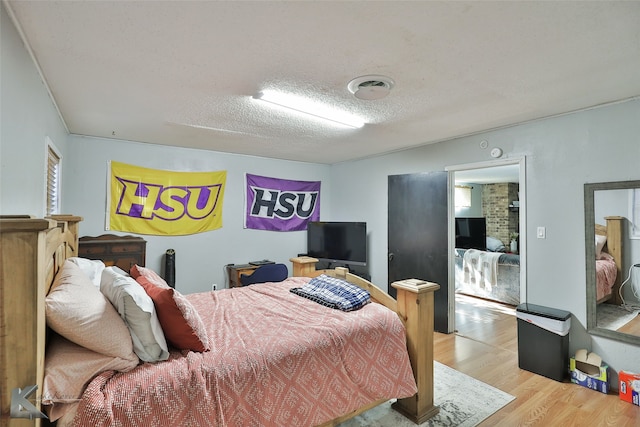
<point>280,204</point>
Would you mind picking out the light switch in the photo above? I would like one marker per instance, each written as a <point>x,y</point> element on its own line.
<point>542,232</point>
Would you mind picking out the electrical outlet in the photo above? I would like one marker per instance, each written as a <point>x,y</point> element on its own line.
<point>541,233</point>
<point>213,287</point>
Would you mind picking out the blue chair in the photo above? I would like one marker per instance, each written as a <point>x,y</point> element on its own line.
<point>265,273</point>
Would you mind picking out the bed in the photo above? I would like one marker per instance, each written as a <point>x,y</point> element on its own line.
<point>609,258</point>
<point>490,275</point>
<point>34,254</point>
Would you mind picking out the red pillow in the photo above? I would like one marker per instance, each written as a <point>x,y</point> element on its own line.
<point>182,326</point>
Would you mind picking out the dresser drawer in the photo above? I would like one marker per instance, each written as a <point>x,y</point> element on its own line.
<point>87,250</point>
<point>122,248</point>
<point>124,263</point>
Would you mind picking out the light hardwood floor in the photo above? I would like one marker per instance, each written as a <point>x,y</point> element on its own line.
<point>632,327</point>
<point>486,348</point>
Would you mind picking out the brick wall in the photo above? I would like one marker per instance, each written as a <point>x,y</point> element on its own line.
<point>501,220</point>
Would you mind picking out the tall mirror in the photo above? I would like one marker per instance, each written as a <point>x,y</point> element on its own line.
<point>612,241</point>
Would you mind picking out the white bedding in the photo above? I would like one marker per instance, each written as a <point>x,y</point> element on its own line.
<point>481,268</point>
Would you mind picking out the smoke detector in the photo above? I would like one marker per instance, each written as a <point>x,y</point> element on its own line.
<point>370,87</point>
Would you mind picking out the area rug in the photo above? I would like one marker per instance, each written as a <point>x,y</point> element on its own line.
<point>463,402</point>
<point>614,317</point>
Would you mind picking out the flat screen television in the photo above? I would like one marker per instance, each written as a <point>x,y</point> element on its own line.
<point>342,243</point>
<point>471,233</point>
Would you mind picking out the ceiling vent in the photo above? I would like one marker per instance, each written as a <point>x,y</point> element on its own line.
<point>370,87</point>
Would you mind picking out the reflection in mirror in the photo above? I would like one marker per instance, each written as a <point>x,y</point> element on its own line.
<point>612,240</point>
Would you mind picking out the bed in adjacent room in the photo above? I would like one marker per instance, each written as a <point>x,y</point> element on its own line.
<point>257,355</point>
<point>492,275</point>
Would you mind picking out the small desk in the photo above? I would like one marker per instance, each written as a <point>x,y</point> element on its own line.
<point>235,270</point>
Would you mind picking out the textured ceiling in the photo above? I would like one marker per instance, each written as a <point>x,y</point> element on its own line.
<point>184,73</point>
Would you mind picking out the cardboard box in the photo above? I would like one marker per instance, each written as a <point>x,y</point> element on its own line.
<point>588,371</point>
<point>629,387</point>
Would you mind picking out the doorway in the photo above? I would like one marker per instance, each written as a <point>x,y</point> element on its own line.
<point>498,188</point>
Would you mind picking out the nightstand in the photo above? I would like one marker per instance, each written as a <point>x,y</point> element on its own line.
<point>235,270</point>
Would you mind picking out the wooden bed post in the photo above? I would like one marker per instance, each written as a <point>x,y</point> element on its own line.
<point>304,266</point>
<point>614,247</point>
<point>415,308</point>
<point>22,323</point>
<point>31,253</point>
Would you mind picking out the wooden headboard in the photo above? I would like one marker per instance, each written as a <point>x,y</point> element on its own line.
<point>31,253</point>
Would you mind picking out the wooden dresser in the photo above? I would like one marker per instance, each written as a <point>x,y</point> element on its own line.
<point>121,251</point>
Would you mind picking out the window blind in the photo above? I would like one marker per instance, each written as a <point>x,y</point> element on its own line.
<point>53,181</point>
<point>463,196</point>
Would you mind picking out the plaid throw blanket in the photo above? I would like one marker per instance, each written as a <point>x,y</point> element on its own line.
<point>333,292</point>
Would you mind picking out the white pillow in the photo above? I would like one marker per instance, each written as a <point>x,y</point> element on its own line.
<point>92,268</point>
<point>495,245</point>
<point>600,242</point>
<point>138,312</point>
<point>78,311</point>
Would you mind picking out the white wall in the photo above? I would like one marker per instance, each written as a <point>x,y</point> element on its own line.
<point>27,117</point>
<point>562,154</point>
<point>200,258</point>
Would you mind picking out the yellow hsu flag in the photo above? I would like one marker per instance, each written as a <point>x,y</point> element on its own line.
<point>159,202</point>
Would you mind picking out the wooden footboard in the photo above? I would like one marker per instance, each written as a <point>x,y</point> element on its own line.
<point>31,253</point>
<point>415,308</point>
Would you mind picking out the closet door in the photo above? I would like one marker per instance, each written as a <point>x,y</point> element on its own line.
<point>418,236</point>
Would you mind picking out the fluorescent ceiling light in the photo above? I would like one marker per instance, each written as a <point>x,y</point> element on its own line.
<point>311,108</point>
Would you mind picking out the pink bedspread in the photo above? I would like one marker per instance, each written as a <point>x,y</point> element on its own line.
<point>277,359</point>
<point>606,272</point>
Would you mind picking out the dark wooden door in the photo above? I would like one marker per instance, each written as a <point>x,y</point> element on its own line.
<point>418,237</point>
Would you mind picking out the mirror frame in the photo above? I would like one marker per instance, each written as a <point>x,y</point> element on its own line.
<point>590,256</point>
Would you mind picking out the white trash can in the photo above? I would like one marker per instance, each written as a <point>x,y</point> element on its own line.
<point>543,340</point>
